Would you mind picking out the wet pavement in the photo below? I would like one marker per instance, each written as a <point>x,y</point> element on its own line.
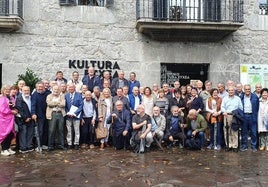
<point>174,167</point>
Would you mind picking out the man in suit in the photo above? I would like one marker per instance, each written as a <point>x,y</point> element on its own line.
<point>91,80</point>
<point>120,120</point>
<point>119,82</point>
<point>26,129</point>
<point>73,107</point>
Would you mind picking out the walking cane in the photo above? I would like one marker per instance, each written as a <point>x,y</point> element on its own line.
<point>227,134</point>
<point>37,136</point>
<point>215,134</point>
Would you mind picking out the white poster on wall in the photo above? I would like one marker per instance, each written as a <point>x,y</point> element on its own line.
<point>253,74</point>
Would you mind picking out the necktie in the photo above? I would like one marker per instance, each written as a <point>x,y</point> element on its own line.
<point>71,98</point>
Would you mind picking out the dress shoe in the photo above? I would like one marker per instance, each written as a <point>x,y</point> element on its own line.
<point>69,147</point>
<point>76,147</point>
<point>106,144</point>
<point>91,146</point>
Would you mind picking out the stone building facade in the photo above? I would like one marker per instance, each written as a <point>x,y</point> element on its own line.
<point>69,38</point>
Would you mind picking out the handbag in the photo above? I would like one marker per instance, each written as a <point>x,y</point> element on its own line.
<point>101,133</point>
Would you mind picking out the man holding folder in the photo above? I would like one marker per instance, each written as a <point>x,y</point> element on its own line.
<point>73,108</point>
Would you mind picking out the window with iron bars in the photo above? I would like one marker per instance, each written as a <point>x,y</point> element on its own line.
<point>82,2</point>
<point>263,7</point>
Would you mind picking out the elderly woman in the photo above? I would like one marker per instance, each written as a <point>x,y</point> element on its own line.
<point>148,101</point>
<point>105,105</point>
<point>7,112</point>
<point>214,119</point>
<point>162,102</point>
<point>263,120</point>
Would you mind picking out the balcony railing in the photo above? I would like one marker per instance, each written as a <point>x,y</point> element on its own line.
<point>11,8</point>
<point>191,10</point>
<point>263,9</point>
<point>11,15</point>
<point>189,20</point>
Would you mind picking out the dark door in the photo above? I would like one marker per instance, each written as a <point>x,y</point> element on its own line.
<point>171,72</point>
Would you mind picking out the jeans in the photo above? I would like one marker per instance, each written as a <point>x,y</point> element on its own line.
<point>56,121</point>
<point>26,135</point>
<point>219,134</point>
<point>249,125</point>
<point>42,129</point>
<point>200,135</point>
<point>75,123</point>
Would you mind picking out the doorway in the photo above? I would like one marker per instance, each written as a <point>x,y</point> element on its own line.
<point>171,72</point>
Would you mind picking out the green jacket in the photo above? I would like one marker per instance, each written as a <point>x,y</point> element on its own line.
<point>201,123</point>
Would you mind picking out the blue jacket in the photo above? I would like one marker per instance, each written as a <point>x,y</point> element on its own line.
<point>39,104</point>
<point>77,101</point>
<point>132,101</point>
<point>133,84</point>
<point>254,104</point>
<point>121,122</point>
<point>91,83</point>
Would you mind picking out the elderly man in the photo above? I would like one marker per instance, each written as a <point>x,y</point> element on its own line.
<point>106,80</point>
<point>121,121</point>
<point>88,122</point>
<point>26,129</point>
<point>38,111</point>
<point>258,88</point>
<point>73,108</point>
<point>55,114</point>
<point>141,134</point>
<point>196,126</point>
<point>174,128</point>
<point>75,80</point>
<point>228,105</point>
<point>133,82</point>
<point>59,78</point>
<point>120,96</point>
<point>134,100</point>
<point>158,124</point>
<point>91,80</point>
<point>250,104</point>
<point>119,82</point>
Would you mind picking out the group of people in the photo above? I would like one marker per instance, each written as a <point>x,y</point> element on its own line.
<point>119,112</point>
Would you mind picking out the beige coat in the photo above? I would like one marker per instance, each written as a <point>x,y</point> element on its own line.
<point>102,109</point>
<point>52,103</point>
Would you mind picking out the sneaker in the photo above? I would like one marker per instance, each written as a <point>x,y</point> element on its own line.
<point>254,150</point>
<point>30,149</point>
<point>210,146</point>
<point>262,148</point>
<point>243,149</point>
<point>5,153</point>
<point>217,148</point>
<point>11,151</point>
<point>23,151</point>
<point>38,150</point>
<point>44,147</point>
<point>180,146</point>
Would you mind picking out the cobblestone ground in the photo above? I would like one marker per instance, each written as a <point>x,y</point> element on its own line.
<point>174,167</point>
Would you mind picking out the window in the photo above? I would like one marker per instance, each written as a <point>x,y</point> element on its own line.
<point>82,2</point>
<point>263,7</point>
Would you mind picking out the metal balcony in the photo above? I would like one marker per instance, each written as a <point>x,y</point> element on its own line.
<point>263,9</point>
<point>11,15</point>
<point>189,20</point>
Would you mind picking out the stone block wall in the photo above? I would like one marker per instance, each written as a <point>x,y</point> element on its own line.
<point>52,35</point>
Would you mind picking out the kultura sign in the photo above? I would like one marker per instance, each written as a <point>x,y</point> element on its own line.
<point>100,66</point>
